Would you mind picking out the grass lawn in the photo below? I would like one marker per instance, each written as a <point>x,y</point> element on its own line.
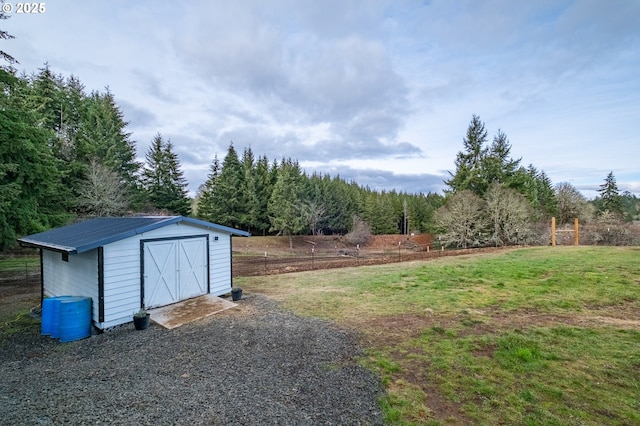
<point>530,336</point>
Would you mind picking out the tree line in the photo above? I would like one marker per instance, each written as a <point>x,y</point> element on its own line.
<point>51,135</point>
<point>493,200</point>
<point>266,197</point>
<point>66,154</point>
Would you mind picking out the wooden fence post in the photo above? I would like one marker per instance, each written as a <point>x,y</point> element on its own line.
<point>553,231</point>
<point>576,235</point>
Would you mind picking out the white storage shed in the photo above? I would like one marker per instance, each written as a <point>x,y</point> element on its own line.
<point>127,263</point>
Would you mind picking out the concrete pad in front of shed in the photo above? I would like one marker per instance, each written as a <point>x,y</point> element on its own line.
<point>181,313</point>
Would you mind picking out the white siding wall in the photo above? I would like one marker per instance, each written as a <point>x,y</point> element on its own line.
<point>220,264</point>
<point>77,277</point>
<point>122,269</point>
<point>121,281</point>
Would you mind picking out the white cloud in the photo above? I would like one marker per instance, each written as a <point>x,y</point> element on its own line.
<point>381,90</point>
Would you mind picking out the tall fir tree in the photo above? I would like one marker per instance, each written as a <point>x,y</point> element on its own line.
<point>610,199</point>
<point>248,196</point>
<point>32,197</point>
<point>263,190</point>
<point>44,98</point>
<point>284,204</point>
<point>103,138</point>
<point>468,173</point>
<point>179,201</point>
<point>163,180</point>
<point>537,188</point>
<point>5,36</point>
<point>72,112</point>
<point>227,192</point>
<point>207,209</point>
<point>497,165</point>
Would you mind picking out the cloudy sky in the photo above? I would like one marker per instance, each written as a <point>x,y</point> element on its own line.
<point>380,92</point>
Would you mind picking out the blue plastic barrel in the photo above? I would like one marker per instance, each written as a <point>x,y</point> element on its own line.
<point>75,318</point>
<point>50,309</point>
<point>47,314</point>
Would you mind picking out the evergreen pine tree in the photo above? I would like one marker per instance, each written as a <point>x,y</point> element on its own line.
<point>546,196</point>
<point>179,195</point>
<point>207,209</point>
<point>226,195</point>
<point>497,165</point>
<point>5,36</point>
<point>102,137</point>
<point>32,198</point>
<point>72,111</point>
<point>45,98</point>
<point>163,180</point>
<point>609,196</point>
<point>284,210</point>
<point>263,190</point>
<point>248,197</point>
<point>468,174</point>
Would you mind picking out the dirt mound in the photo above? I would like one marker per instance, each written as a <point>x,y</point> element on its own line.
<point>280,244</point>
<point>386,242</point>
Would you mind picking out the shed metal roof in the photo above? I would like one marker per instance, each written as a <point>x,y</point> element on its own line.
<point>88,235</point>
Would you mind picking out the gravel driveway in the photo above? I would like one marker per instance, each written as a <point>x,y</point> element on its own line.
<point>256,364</point>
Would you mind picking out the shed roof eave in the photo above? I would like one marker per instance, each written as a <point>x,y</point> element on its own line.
<point>54,247</point>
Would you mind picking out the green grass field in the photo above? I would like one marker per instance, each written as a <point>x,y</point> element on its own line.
<point>535,336</point>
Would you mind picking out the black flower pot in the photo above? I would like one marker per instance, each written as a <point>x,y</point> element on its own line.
<point>236,294</point>
<point>141,323</point>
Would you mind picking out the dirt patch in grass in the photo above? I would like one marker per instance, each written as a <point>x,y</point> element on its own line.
<point>621,316</point>
<point>390,330</point>
<point>393,331</point>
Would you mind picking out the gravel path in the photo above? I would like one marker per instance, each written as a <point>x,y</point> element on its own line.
<point>252,365</point>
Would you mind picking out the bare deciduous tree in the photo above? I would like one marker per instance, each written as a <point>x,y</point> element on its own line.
<point>103,193</point>
<point>463,220</point>
<point>313,213</point>
<point>360,232</point>
<point>572,204</point>
<point>509,215</point>
<point>607,229</point>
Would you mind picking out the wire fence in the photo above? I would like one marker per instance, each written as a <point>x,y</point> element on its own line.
<point>252,265</point>
<point>20,270</point>
<point>25,269</point>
